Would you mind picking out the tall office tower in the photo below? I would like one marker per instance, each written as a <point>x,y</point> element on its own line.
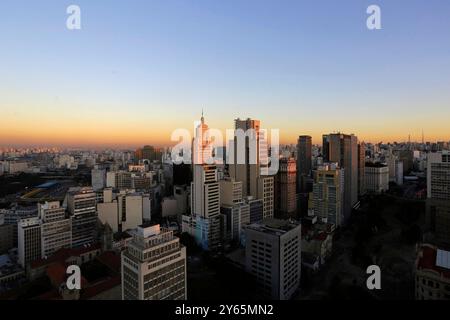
<point>328,193</point>
<point>304,166</point>
<point>273,256</point>
<point>361,168</point>
<point>266,192</point>
<point>438,198</point>
<point>246,162</point>
<point>154,266</point>
<point>285,186</point>
<point>81,203</point>
<point>205,195</point>
<point>29,240</point>
<point>343,149</point>
<point>56,229</point>
<point>98,179</point>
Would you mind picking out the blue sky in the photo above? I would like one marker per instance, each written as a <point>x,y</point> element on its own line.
<point>302,66</point>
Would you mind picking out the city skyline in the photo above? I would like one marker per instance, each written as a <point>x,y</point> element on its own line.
<point>136,71</point>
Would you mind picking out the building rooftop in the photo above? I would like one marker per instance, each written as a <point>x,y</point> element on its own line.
<point>274,226</point>
<point>375,165</point>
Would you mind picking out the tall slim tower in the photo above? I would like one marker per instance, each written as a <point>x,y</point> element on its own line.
<point>361,168</point>
<point>205,195</point>
<point>343,149</point>
<point>249,171</point>
<point>304,153</point>
<point>285,186</point>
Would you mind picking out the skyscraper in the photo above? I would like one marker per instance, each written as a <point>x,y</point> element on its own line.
<point>81,203</point>
<point>343,149</point>
<point>285,187</point>
<point>361,168</point>
<point>266,192</point>
<point>328,193</point>
<point>154,266</point>
<point>248,170</point>
<point>205,195</point>
<point>304,154</point>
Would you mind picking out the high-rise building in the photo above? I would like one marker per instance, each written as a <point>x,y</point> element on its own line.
<point>29,240</point>
<point>343,149</point>
<point>285,189</point>
<point>56,228</point>
<point>361,168</point>
<point>245,163</point>
<point>304,162</point>
<point>328,193</point>
<point>266,192</point>
<point>438,198</point>
<point>154,266</point>
<point>205,195</point>
<point>376,177</point>
<point>81,204</point>
<point>273,256</point>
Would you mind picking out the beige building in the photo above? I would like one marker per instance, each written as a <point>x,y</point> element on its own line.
<point>327,197</point>
<point>154,266</point>
<point>123,211</point>
<point>376,177</point>
<point>230,192</point>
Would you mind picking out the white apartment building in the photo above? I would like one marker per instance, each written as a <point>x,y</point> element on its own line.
<point>154,266</point>
<point>56,229</point>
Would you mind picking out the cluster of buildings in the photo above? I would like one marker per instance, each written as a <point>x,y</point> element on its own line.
<point>129,219</point>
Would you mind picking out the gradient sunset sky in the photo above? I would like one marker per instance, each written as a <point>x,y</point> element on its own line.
<point>140,69</point>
